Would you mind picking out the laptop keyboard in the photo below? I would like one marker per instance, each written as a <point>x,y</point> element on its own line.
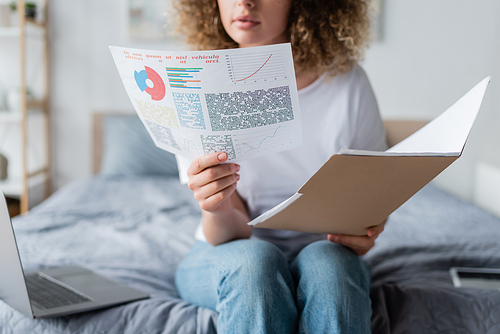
<point>49,294</point>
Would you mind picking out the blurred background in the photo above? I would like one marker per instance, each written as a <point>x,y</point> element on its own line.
<point>425,55</point>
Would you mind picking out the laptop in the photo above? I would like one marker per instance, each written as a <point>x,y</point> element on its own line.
<point>54,291</point>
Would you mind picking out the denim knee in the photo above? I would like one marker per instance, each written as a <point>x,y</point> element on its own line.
<point>259,261</point>
<point>327,259</point>
<point>332,289</point>
<point>255,291</point>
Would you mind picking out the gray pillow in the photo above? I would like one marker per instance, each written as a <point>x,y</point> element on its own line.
<point>129,150</point>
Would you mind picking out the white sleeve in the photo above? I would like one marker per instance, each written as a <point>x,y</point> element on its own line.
<point>369,131</point>
<point>183,165</point>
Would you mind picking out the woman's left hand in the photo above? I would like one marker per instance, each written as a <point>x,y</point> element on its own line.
<point>359,244</point>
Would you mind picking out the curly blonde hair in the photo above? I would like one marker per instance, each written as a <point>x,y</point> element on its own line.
<point>326,35</point>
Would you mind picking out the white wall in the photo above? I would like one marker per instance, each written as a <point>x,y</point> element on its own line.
<point>84,76</point>
<point>432,52</point>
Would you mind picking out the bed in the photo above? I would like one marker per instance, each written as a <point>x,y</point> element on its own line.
<point>134,222</point>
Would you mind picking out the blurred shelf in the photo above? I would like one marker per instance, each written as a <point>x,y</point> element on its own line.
<point>14,206</point>
<point>36,31</point>
<point>40,25</point>
<point>9,31</point>
<point>36,104</point>
<point>14,187</point>
<point>10,117</point>
<point>32,29</point>
<point>7,116</point>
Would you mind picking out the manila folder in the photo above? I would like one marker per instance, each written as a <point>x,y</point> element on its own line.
<point>350,193</point>
<point>355,190</point>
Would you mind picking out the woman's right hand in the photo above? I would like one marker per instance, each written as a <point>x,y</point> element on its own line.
<point>213,182</point>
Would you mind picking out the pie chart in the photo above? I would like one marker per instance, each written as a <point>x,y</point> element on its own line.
<point>158,90</point>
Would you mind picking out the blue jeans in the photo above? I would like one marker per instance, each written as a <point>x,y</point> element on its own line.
<point>325,289</point>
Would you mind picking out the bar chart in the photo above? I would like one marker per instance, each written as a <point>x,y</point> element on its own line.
<point>179,77</point>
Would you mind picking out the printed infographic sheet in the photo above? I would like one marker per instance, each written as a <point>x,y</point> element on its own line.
<point>240,101</point>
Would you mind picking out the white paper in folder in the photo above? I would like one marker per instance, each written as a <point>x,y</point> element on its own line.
<point>448,132</point>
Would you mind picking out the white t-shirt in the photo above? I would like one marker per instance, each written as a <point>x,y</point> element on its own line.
<point>337,112</point>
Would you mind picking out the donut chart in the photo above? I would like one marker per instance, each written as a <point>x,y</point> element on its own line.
<point>158,90</point>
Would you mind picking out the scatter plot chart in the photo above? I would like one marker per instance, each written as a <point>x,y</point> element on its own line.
<point>257,67</point>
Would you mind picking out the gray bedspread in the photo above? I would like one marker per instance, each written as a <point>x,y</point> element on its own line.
<point>133,229</point>
<point>412,291</point>
<point>136,229</point>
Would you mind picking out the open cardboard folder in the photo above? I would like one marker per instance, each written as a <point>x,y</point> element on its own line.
<point>355,189</point>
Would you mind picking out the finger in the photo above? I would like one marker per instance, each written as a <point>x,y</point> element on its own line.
<point>354,242</point>
<point>214,201</point>
<point>212,174</point>
<point>355,248</point>
<point>205,161</point>
<point>376,230</point>
<point>216,186</point>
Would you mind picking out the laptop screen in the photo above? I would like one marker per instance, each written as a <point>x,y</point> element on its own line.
<point>13,289</point>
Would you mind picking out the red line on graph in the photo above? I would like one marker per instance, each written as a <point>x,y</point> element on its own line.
<point>257,70</point>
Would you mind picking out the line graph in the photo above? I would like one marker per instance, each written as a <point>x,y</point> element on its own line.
<point>189,145</point>
<point>256,142</point>
<point>256,67</point>
<point>258,147</point>
<point>251,75</point>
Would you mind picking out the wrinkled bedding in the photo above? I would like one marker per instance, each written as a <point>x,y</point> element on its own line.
<point>136,229</point>
<point>412,290</point>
